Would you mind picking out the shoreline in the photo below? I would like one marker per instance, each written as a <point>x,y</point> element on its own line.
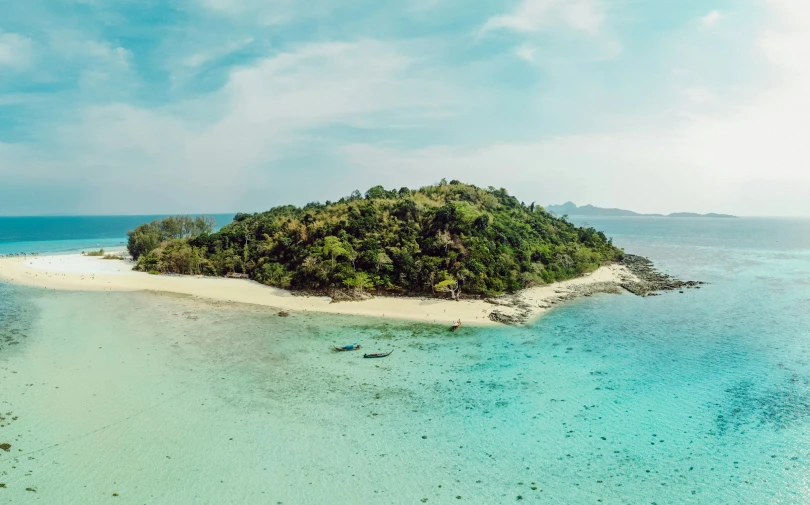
<point>75,272</point>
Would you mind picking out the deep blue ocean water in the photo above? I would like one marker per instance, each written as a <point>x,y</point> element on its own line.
<point>64,234</point>
<point>700,397</point>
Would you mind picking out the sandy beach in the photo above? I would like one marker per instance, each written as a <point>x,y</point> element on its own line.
<point>84,273</point>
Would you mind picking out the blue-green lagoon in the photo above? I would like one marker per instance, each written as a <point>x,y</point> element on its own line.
<point>701,397</point>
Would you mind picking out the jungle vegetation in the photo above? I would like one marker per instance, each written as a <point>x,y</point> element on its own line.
<point>450,238</point>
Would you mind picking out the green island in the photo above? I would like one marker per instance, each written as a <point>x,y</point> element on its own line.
<point>450,238</point>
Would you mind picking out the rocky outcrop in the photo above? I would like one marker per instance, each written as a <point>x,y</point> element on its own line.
<point>521,311</point>
<point>501,300</point>
<point>504,318</point>
<point>640,278</point>
<point>650,281</point>
<point>591,289</point>
<point>349,295</point>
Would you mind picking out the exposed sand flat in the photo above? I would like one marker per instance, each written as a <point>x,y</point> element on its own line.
<point>77,272</point>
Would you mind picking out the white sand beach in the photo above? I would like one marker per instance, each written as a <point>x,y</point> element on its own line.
<point>85,273</point>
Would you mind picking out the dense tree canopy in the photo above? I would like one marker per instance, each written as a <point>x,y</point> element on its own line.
<point>450,238</point>
<point>149,236</point>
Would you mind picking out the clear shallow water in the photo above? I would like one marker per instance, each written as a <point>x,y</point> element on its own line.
<point>64,234</point>
<point>702,397</point>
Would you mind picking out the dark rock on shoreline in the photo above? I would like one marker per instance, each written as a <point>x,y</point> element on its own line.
<point>349,295</point>
<point>337,295</point>
<point>511,319</point>
<point>650,280</point>
<point>647,281</point>
<point>524,311</point>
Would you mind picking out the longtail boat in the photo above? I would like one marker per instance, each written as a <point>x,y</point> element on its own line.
<point>350,347</point>
<point>378,354</point>
<point>456,326</point>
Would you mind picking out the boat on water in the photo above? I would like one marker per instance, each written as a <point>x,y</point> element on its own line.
<point>456,325</point>
<point>378,354</point>
<point>351,347</point>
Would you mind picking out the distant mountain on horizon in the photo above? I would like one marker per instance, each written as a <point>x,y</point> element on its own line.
<point>571,209</point>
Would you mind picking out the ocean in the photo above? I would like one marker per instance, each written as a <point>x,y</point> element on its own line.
<point>693,398</point>
<point>66,234</point>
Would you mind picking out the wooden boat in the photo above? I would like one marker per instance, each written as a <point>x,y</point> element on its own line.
<point>352,347</point>
<point>378,354</point>
<point>456,326</point>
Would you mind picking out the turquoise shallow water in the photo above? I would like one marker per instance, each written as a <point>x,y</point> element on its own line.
<point>702,397</point>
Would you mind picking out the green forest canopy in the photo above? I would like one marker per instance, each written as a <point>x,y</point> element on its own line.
<point>450,238</point>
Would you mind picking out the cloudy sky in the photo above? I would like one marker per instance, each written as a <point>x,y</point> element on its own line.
<point>146,106</point>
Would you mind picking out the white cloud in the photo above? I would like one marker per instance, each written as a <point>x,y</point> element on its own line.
<point>749,157</point>
<point>526,52</point>
<point>209,148</point>
<point>202,57</point>
<point>707,149</point>
<point>711,19</point>
<point>535,15</point>
<point>699,95</point>
<point>186,66</point>
<point>99,68</point>
<point>16,51</point>
<point>265,12</point>
<point>636,170</point>
<point>74,45</point>
<point>533,19</point>
<point>234,7</point>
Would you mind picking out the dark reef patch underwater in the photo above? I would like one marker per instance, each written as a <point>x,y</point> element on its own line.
<point>16,315</point>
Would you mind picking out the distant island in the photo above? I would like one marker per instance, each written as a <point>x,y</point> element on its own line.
<point>452,238</point>
<point>571,209</point>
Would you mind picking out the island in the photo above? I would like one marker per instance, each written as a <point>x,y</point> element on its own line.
<point>438,254</point>
<point>452,239</point>
<point>571,209</point>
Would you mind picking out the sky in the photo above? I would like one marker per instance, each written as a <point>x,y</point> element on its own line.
<point>185,106</point>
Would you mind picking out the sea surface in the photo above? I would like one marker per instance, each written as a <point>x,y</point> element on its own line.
<point>70,234</point>
<point>694,398</point>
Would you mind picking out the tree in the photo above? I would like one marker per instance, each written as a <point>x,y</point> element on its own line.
<point>481,222</point>
<point>333,247</point>
<point>143,240</point>
<point>203,224</point>
<point>274,274</point>
<point>448,285</point>
<point>360,281</point>
<point>451,237</point>
<point>352,255</point>
<point>309,264</point>
<point>382,260</point>
<point>147,237</point>
<point>267,245</point>
<point>172,226</point>
<point>443,238</point>
<point>232,262</point>
<point>378,192</point>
